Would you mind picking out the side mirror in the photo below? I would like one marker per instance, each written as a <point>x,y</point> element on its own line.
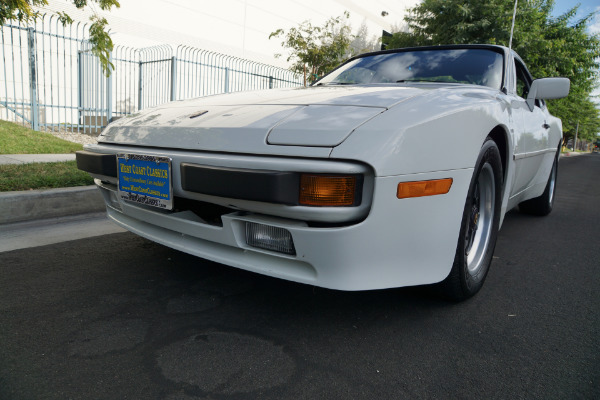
<point>548,88</point>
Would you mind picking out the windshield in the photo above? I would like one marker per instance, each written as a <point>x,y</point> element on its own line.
<point>473,66</point>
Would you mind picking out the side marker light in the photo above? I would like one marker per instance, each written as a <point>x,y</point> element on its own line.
<point>423,188</point>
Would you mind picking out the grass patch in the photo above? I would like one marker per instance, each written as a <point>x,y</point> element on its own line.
<point>15,139</point>
<point>15,177</point>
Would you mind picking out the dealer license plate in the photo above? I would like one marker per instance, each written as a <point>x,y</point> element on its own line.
<point>145,180</point>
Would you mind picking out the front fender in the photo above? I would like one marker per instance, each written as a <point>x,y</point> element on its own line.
<point>403,140</point>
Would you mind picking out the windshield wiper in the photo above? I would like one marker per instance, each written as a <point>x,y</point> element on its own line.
<point>419,80</point>
<point>337,83</point>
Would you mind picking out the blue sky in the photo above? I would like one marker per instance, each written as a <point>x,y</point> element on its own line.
<point>586,7</point>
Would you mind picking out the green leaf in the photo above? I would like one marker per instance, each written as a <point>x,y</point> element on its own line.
<point>316,49</point>
<point>102,45</point>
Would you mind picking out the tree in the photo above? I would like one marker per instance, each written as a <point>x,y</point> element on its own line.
<point>549,46</point>
<point>362,42</point>
<point>316,50</point>
<point>102,45</point>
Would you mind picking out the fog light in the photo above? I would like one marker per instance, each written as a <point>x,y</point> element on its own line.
<point>269,238</point>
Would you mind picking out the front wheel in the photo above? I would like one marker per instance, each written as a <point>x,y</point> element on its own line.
<point>479,226</point>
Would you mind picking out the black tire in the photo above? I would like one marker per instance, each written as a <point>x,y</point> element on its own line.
<point>543,204</point>
<point>479,226</point>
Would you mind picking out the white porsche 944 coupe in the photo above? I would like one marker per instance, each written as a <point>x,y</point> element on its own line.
<point>395,169</point>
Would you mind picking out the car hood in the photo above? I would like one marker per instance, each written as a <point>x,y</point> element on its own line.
<point>257,121</point>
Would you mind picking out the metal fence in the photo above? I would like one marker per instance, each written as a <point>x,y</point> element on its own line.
<point>50,80</point>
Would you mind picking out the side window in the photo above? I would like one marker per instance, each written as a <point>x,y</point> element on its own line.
<point>523,80</point>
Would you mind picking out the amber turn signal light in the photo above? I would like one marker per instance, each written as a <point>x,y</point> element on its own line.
<point>423,188</point>
<point>324,190</point>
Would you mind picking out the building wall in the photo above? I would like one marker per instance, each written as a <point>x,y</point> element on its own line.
<point>239,28</point>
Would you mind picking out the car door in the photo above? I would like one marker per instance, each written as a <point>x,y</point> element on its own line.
<point>531,132</point>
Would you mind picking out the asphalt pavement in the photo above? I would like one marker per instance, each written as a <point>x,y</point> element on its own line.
<point>117,317</point>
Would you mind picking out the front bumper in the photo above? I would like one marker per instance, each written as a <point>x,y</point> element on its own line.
<point>395,243</point>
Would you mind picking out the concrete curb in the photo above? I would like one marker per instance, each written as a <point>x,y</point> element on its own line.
<point>34,158</point>
<point>50,203</point>
<point>572,154</point>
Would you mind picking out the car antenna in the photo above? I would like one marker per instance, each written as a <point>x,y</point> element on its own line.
<point>512,28</point>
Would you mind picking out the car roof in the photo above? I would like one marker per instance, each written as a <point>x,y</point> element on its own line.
<point>493,47</point>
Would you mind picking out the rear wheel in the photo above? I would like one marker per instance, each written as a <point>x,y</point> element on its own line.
<point>479,227</point>
<point>543,204</point>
